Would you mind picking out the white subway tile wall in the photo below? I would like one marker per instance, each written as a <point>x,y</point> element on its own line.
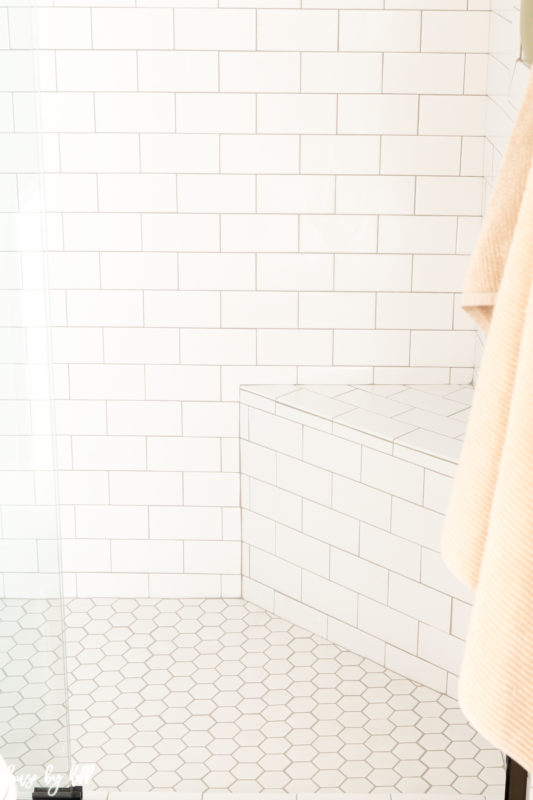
<point>238,191</point>
<point>342,535</point>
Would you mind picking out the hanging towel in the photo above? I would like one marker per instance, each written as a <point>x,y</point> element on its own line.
<point>488,534</point>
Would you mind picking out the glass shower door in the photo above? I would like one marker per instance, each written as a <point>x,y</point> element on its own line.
<point>33,695</point>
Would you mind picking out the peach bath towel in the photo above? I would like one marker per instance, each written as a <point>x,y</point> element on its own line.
<point>488,535</point>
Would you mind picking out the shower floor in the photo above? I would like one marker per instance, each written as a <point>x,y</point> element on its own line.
<point>192,695</point>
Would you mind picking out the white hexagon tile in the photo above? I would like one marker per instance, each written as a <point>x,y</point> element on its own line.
<point>195,695</point>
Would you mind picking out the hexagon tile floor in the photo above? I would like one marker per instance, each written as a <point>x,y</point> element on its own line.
<point>197,695</point>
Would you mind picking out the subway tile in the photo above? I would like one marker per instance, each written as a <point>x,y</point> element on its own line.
<point>258,462</point>
<point>69,192</point>
<point>455,31</point>
<point>179,152</point>
<point>106,382</point>
<point>259,72</point>
<point>300,113</point>
<point>372,272</point>
<point>204,112</point>
<point>420,525</point>
<point>94,71</point>
<point>419,602</point>
<point>362,502</point>
<point>71,345</point>
<point>80,416</point>
<point>145,488</point>
<point>292,271</point>
<point>359,575</point>
<point>187,232</point>
<point>300,347</point>
<point>391,552</point>
<point>216,193</point>
<point>275,433</point>
<point>259,232</point>
<point>375,195</point>
<point>275,572</point>
<point>387,624</point>
<point>371,347</point>
<point>415,668</point>
<point>334,600</point>
<point>304,480</point>
<point>108,452</point>
<point>339,233</point>
<point>392,475</point>
<point>217,347</point>
<point>332,453</point>
<point>184,522</point>
<point>423,73</point>
<point>213,271</point>
<point>303,194</point>
<point>452,116</point>
<point>50,28</point>
<point>260,154</point>
<point>412,310</point>
<point>275,503</point>
<point>331,155</point>
<point>212,557</point>
<point>211,489</point>
<point>301,550</point>
<point>111,522</point>
<point>442,348</point>
<point>103,307</point>
<point>439,273</point>
<point>442,648</point>
<point>420,155</point>
<point>436,574</point>
<point>180,382</point>
<point>378,114</point>
<point>137,193</point>
<point>146,556</point>
<point>103,152</point>
<point>259,309</point>
<point>134,112</point>
<point>214,29</point>
<point>341,72</point>
<point>357,641</point>
<point>296,30</point>
<point>300,614</point>
<point>132,28</point>
<point>428,234</point>
<point>379,30</point>
<point>85,555</point>
<point>184,71</point>
<point>332,527</point>
<point>210,419</point>
<point>449,196</point>
<point>183,454</point>
<point>143,418</point>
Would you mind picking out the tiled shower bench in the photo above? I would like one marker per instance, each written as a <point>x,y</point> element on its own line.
<point>344,490</point>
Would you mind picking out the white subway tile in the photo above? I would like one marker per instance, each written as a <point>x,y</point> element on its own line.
<point>339,233</point>
<point>134,112</point>
<point>358,575</point>
<point>143,418</point>
<point>420,525</point>
<point>452,116</point>
<point>423,73</point>
<point>211,489</point>
<point>419,602</point>
<point>299,113</point>
<point>234,377</point>
<point>296,30</point>
<point>216,271</point>
<point>404,234</point>
<point>391,552</point>
<point>50,28</point>
<point>212,557</point>
<point>108,452</point>
<point>111,71</point>
<point>361,502</point>
<point>294,271</point>
<point>411,310</point>
<point>294,347</point>
<point>375,195</point>
<point>455,31</point>
<point>275,572</point>
<point>476,73</point>
<point>379,30</point>
<point>442,348</point>
<point>215,113</point>
<point>258,462</point>
<point>300,614</point>
<point>182,383</point>
<point>301,550</point>
<point>185,453</point>
<point>85,555</point>
<point>137,193</point>
<point>331,527</point>
<point>185,71</point>
<point>145,488</point>
<point>341,72</point>
<point>80,416</point>
<point>420,155</point>
<point>102,307</point>
<point>439,273</point>
<point>214,29</point>
<point>217,347</point>
<point>460,618</point>
<point>441,648</point>
<point>389,625</point>
<point>182,522</point>
<point>347,155</point>
<point>106,382</point>
<point>259,72</point>
<point>304,194</point>
<point>177,232</point>
<point>334,600</point>
<point>378,114</point>
<point>81,487</point>
<point>372,273</point>
<point>111,522</point>
<point>332,453</point>
<point>61,111</point>
<point>179,152</point>
<point>71,345</point>
<point>355,640</point>
<point>132,28</point>
<point>141,345</point>
<point>216,193</point>
<point>103,152</point>
<point>259,232</point>
<point>415,668</point>
<point>436,574</point>
<point>449,196</point>
<point>392,475</point>
<point>19,556</point>
<point>275,433</point>
<point>145,556</point>
<point>259,309</point>
<point>260,154</point>
<point>375,348</point>
<point>275,503</point>
<point>70,192</point>
<point>303,479</point>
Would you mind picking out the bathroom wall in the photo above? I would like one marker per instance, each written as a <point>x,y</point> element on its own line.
<point>248,192</point>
